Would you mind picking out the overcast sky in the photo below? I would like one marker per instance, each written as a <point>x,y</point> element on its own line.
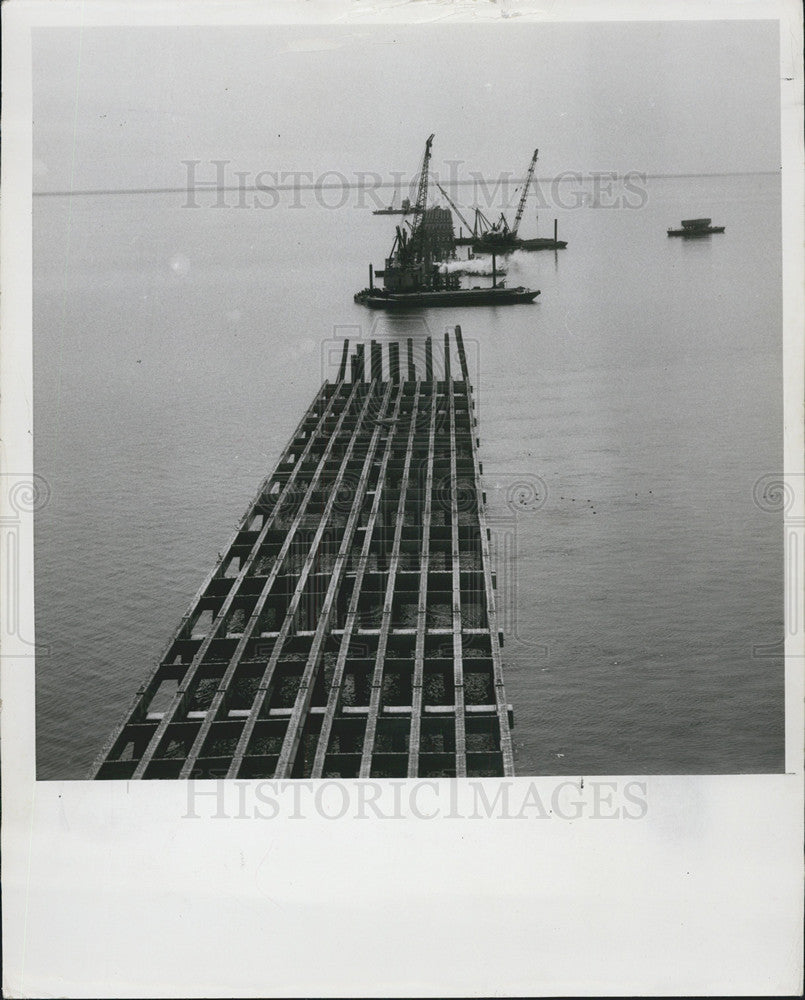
<point>123,107</point>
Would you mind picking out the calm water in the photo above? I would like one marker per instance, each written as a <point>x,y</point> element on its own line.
<point>176,349</point>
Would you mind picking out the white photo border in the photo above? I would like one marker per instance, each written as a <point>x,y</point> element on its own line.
<point>122,889</point>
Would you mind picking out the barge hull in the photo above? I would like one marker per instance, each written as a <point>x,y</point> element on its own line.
<point>689,233</point>
<point>539,243</point>
<point>453,297</point>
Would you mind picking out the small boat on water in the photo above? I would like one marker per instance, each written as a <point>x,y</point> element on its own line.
<point>692,228</point>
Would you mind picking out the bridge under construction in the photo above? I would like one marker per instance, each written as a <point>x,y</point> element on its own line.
<point>349,629</point>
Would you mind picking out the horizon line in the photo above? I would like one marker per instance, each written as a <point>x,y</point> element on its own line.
<point>210,186</point>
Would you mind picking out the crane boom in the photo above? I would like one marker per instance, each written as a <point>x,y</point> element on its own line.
<point>418,228</point>
<point>422,192</point>
<point>454,207</point>
<point>523,196</point>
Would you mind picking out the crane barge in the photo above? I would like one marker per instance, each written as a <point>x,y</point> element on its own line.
<point>486,236</point>
<point>413,276</point>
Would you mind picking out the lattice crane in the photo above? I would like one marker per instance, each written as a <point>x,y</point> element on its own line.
<point>416,243</point>
<point>524,195</point>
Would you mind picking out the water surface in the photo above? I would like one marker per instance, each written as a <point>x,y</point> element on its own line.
<point>176,349</point>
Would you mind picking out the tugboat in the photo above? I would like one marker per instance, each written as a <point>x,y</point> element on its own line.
<point>413,275</point>
<point>691,228</point>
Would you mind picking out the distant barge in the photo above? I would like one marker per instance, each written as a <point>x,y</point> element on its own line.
<point>486,246</point>
<point>406,208</point>
<point>691,228</point>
